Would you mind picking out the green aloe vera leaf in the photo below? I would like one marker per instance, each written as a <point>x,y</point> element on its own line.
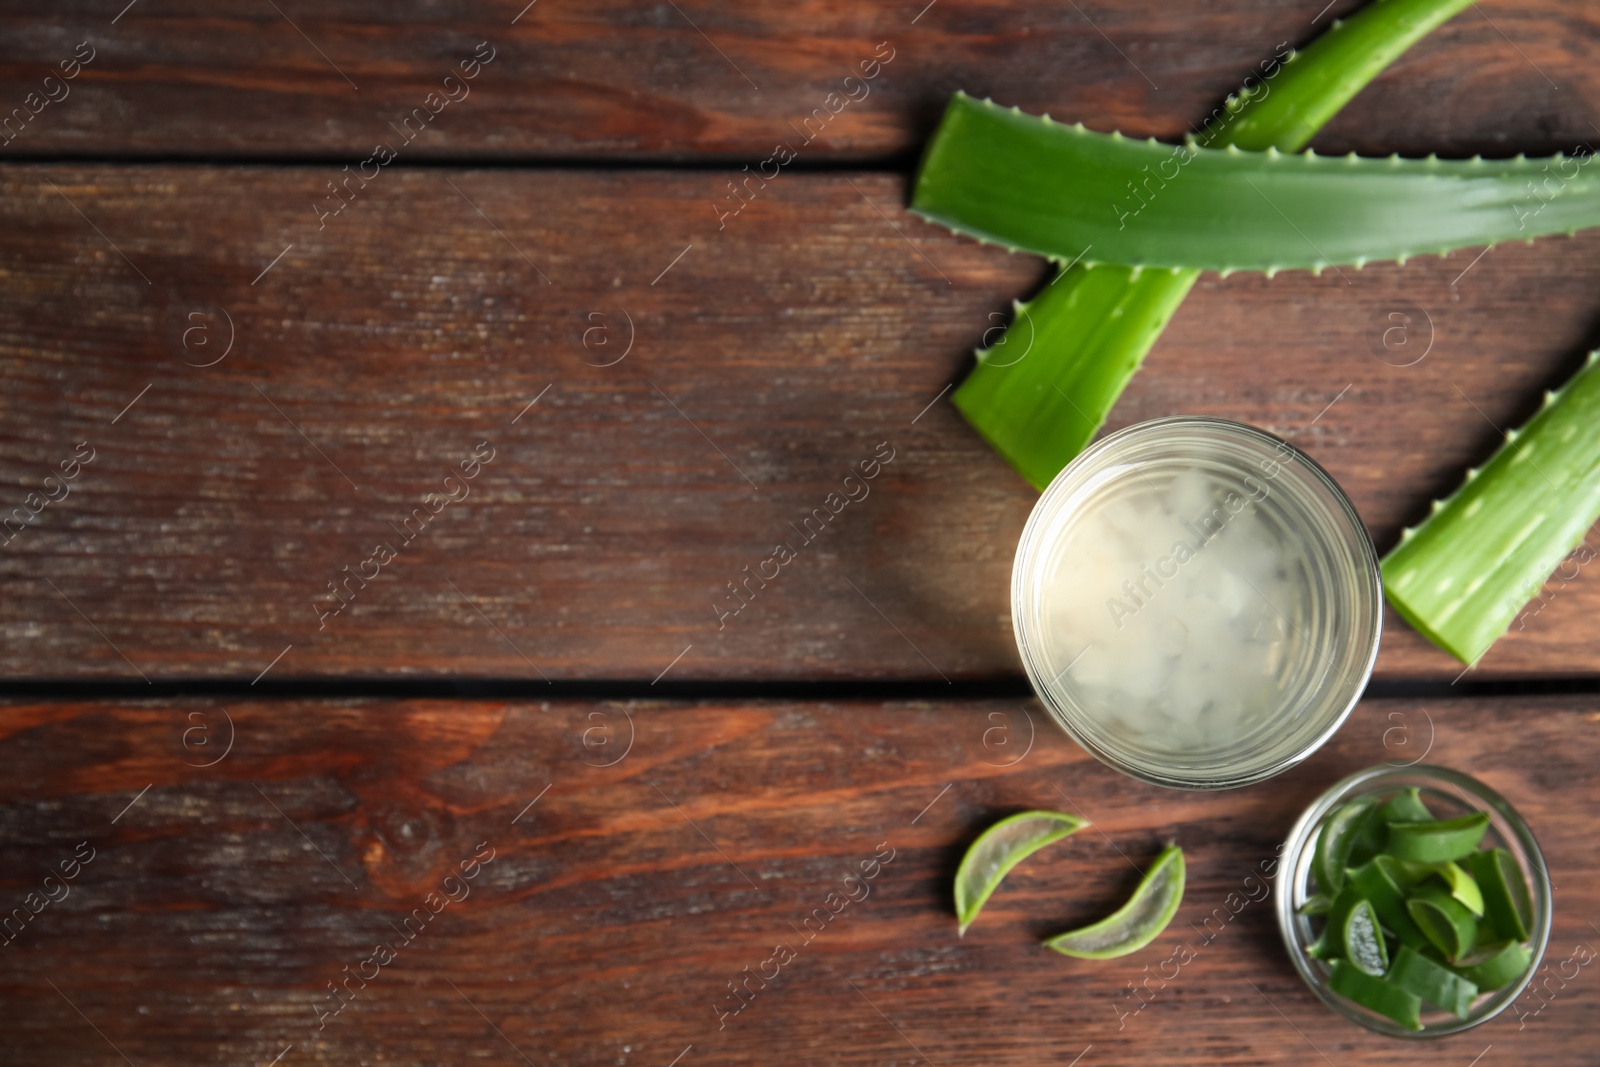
<point>1404,806</point>
<point>1036,185</point>
<point>1462,886</point>
<point>1462,575</point>
<point>1403,873</point>
<point>1288,109</point>
<point>1376,994</point>
<point>1433,981</point>
<point>1437,840</point>
<point>1371,835</point>
<point>1039,396</point>
<point>1497,965</point>
<point>1010,401</point>
<point>1334,840</point>
<point>1445,921</point>
<point>1316,904</point>
<point>1505,892</point>
<point>1374,882</point>
<point>1363,940</point>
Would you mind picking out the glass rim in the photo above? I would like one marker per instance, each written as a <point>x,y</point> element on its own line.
<point>1300,841</point>
<point>1030,547</point>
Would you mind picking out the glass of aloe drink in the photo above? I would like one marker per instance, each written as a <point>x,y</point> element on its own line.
<point>1196,602</point>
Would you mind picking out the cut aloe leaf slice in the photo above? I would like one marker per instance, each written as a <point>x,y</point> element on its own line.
<point>1363,941</point>
<point>1352,932</point>
<point>1000,848</point>
<point>1334,842</point>
<point>1405,806</point>
<point>1462,886</point>
<point>1090,329</point>
<point>1497,965</point>
<point>1035,185</point>
<point>1405,875</point>
<point>1437,842</point>
<point>1316,904</point>
<point>1376,994</point>
<point>1370,835</point>
<point>1136,923</point>
<point>1444,920</point>
<point>1462,576</point>
<point>1408,873</point>
<point>1338,912</point>
<point>1432,981</point>
<point>1505,892</point>
<point>1374,882</point>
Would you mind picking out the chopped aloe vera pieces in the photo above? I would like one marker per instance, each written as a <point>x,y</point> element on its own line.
<point>1089,330</point>
<point>1374,882</point>
<point>1334,843</point>
<point>1136,923</point>
<point>1363,941</point>
<point>1035,185</point>
<point>1463,575</point>
<point>1316,904</point>
<point>1496,965</point>
<point>1000,848</point>
<point>1444,920</point>
<point>1368,842</point>
<point>1462,886</point>
<point>1505,892</point>
<point>1437,842</point>
<point>1405,806</point>
<point>1333,943</point>
<point>1432,981</point>
<point>1338,912</point>
<point>1408,873</point>
<point>1376,994</point>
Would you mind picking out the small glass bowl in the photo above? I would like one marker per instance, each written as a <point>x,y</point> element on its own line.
<point>1330,559</point>
<point>1449,795</point>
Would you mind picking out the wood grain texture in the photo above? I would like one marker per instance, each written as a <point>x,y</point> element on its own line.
<point>268,389</point>
<point>221,900</point>
<point>370,358</point>
<point>630,79</point>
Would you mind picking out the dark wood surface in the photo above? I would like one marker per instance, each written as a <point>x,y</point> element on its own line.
<point>616,909</point>
<point>766,360</point>
<point>629,80</point>
<point>165,211</point>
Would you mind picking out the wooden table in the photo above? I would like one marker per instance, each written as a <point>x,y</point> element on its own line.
<point>281,348</point>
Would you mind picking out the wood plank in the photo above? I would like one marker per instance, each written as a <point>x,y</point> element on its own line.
<point>222,900</point>
<point>371,358</point>
<point>733,80</point>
